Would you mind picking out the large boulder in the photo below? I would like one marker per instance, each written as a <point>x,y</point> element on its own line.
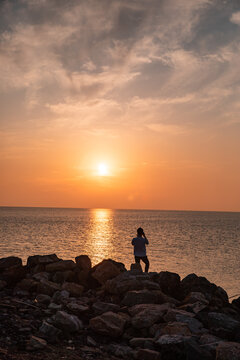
<point>213,293</point>
<point>83,262</point>
<point>62,265</point>
<point>106,270</point>
<point>109,323</point>
<point>170,284</point>
<point>9,261</point>
<point>150,314</point>
<point>35,260</point>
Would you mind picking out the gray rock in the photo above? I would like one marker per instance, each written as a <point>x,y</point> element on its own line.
<point>77,308</point>
<point>219,320</point>
<point>54,307</point>
<point>67,322</point>
<point>49,332</point>
<point>60,296</point>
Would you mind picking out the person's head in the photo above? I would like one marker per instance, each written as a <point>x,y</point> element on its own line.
<point>140,232</point>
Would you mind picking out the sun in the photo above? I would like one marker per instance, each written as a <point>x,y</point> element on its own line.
<point>102,169</point>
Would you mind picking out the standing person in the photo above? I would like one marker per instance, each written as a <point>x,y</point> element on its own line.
<point>139,244</point>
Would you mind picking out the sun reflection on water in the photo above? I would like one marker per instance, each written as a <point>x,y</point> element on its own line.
<point>100,235</point>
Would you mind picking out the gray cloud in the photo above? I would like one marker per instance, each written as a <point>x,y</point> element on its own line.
<point>90,60</point>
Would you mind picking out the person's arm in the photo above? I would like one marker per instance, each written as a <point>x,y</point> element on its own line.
<point>146,240</point>
<point>133,242</point>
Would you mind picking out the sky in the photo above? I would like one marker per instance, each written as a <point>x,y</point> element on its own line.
<point>148,90</point>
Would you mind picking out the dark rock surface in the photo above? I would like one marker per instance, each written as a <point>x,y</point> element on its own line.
<point>53,308</point>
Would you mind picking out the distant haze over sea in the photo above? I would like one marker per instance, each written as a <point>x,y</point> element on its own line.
<point>205,243</point>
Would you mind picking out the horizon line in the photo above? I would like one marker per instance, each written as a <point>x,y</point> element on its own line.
<point>104,208</point>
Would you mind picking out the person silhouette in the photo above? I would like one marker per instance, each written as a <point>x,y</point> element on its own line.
<point>139,244</point>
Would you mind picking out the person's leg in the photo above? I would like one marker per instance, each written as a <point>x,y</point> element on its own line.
<point>137,259</point>
<point>146,262</point>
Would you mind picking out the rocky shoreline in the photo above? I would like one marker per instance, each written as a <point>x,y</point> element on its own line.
<point>60,309</point>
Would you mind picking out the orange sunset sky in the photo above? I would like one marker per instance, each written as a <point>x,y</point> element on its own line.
<point>120,104</point>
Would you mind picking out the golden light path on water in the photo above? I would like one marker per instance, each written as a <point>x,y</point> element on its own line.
<point>100,244</point>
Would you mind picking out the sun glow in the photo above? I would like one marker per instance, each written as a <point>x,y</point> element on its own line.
<point>102,169</point>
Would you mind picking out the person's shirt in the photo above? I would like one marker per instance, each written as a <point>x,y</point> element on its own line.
<point>139,244</point>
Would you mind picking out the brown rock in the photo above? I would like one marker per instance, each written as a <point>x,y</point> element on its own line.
<point>176,328</point>
<point>13,274</point>
<point>83,262</point>
<point>35,260</point>
<point>148,317</point>
<point>109,323</point>
<point>74,289</point>
<point>104,271</point>
<point>9,261</point>
<point>228,351</point>
<point>62,265</point>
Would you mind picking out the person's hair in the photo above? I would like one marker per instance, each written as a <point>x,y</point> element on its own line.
<point>140,231</point>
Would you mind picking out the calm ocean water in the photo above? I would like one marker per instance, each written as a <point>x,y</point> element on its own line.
<point>206,243</point>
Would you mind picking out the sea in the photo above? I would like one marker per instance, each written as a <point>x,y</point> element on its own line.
<point>185,242</point>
